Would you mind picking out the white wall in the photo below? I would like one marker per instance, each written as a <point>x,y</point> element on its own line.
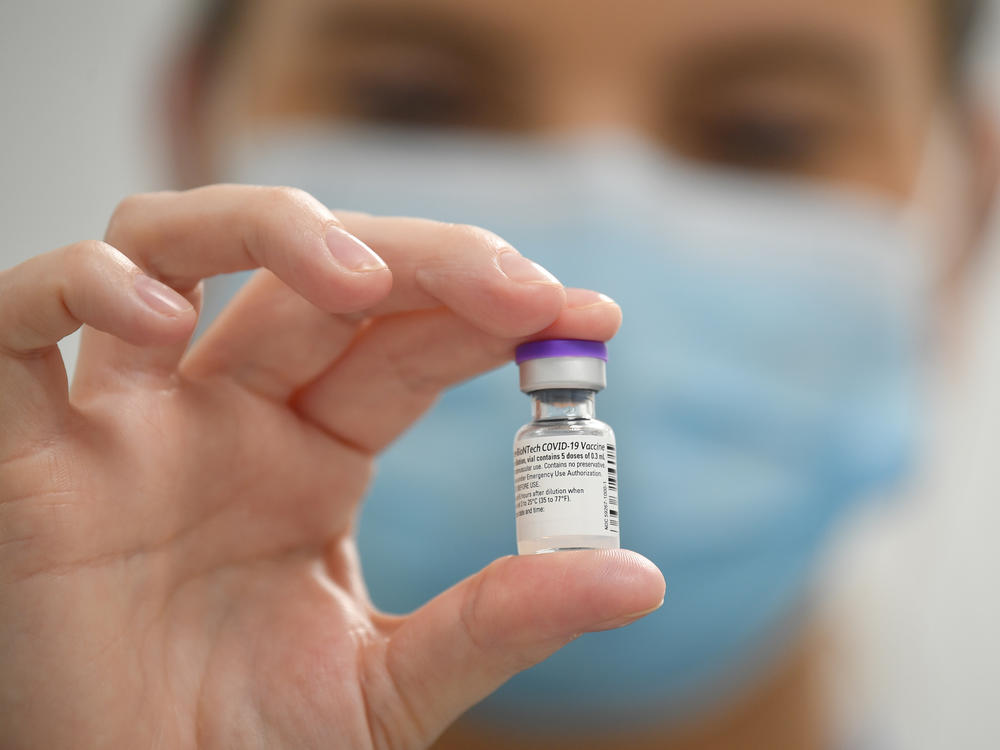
<point>916,591</point>
<point>76,81</point>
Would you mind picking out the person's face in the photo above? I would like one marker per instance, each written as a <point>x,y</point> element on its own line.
<point>839,90</point>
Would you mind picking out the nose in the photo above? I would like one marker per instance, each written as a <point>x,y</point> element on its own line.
<point>596,99</point>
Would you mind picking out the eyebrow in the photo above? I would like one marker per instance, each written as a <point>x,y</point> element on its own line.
<point>474,43</point>
<point>840,62</point>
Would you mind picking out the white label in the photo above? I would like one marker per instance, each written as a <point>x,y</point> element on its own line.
<point>565,486</point>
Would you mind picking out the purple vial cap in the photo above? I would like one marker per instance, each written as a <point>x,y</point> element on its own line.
<point>560,348</point>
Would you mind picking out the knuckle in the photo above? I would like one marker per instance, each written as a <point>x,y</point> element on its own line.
<point>481,627</point>
<point>475,233</point>
<point>472,236</point>
<point>287,198</point>
<point>89,258</point>
<point>470,618</point>
<point>122,226</point>
<point>87,253</point>
<point>280,214</point>
<point>126,208</point>
<point>476,624</point>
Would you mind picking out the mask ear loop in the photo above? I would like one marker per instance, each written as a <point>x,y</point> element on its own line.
<point>940,209</point>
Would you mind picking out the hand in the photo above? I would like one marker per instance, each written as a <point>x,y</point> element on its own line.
<point>177,562</point>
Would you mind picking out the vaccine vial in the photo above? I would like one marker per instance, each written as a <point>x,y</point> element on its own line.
<point>565,464</point>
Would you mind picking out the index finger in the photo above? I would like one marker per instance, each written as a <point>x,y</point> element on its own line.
<point>183,237</point>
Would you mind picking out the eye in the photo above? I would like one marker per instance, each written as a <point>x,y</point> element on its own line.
<point>410,98</point>
<point>796,125</point>
<point>754,140</point>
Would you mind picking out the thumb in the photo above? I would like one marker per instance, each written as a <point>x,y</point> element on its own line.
<point>462,645</point>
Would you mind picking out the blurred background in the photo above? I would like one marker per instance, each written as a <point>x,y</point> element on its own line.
<point>911,587</point>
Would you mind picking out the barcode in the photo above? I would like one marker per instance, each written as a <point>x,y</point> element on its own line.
<point>612,485</point>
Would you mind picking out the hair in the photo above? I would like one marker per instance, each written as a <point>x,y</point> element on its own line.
<point>215,25</point>
<point>956,18</point>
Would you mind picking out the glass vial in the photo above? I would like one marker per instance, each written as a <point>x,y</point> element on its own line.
<point>565,463</point>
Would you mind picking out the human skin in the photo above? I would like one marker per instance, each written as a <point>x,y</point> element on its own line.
<point>844,93</point>
<point>177,563</point>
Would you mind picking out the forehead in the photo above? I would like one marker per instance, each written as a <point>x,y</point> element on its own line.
<point>611,28</point>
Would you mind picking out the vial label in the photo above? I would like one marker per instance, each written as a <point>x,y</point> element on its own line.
<point>565,487</point>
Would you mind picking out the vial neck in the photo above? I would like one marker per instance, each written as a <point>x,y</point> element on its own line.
<point>563,403</point>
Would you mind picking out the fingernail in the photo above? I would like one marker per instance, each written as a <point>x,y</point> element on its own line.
<point>352,253</point>
<point>518,268</point>
<point>161,298</point>
<point>624,620</point>
<point>580,299</point>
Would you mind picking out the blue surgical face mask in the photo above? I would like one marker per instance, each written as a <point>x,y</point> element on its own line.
<point>764,381</point>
